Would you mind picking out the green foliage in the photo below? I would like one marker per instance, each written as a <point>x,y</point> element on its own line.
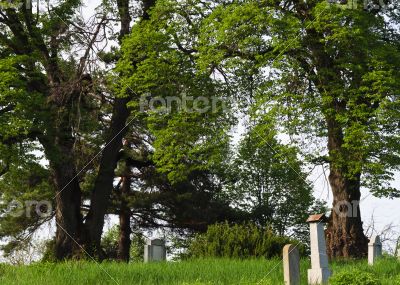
<point>239,241</point>
<point>109,244</point>
<point>268,182</point>
<point>356,91</point>
<point>187,136</point>
<point>44,103</point>
<point>311,71</point>
<point>137,247</point>
<point>354,277</point>
<point>13,95</point>
<point>306,70</point>
<point>172,56</point>
<point>49,251</point>
<point>24,183</point>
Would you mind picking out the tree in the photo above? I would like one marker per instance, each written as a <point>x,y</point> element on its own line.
<point>350,68</point>
<point>269,183</point>
<point>60,105</point>
<point>33,42</point>
<point>100,197</point>
<point>333,75</point>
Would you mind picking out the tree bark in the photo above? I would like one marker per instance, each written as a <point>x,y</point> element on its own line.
<point>345,235</point>
<point>59,151</point>
<point>124,242</point>
<point>105,177</point>
<point>68,216</point>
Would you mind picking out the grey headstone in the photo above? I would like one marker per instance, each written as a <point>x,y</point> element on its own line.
<point>154,250</point>
<point>156,241</point>
<point>374,249</point>
<point>291,265</point>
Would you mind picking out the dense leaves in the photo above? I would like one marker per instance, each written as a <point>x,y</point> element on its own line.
<point>239,241</point>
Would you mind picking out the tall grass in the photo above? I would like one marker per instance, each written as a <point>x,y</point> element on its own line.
<point>196,272</point>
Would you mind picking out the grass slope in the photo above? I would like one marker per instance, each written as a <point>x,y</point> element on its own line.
<point>196,272</point>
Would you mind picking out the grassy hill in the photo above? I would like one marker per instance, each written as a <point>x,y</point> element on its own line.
<point>196,272</point>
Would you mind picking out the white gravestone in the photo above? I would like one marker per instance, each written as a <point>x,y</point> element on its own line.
<point>374,249</point>
<point>291,265</point>
<point>319,272</point>
<point>154,250</point>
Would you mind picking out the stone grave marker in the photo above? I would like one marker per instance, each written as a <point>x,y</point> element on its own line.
<point>155,250</point>
<point>319,272</point>
<point>398,248</point>
<point>374,249</point>
<point>291,265</point>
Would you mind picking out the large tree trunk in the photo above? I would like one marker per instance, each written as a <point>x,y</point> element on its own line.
<point>104,182</point>
<point>345,235</point>
<point>68,216</point>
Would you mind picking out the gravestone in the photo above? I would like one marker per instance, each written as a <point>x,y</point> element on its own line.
<point>374,249</point>
<point>291,265</point>
<point>398,248</point>
<point>319,272</point>
<point>154,250</point>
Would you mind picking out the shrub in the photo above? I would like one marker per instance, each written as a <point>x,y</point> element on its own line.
<point>109,243</point>
<point>354,277</point>
<point>49,251</point>
<point>239,241</point>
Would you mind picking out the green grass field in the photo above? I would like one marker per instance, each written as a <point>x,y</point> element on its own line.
<point>197,272</point>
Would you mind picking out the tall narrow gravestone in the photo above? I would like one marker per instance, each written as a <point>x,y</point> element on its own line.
<point>154,250</point>
<point>291,265</point>
<point>319,272</point>
<point>398,248</point>
<point>374,249</point>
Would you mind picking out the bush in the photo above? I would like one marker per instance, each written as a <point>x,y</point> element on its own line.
<point>109,243</point>
<point>239,241</point>
<point>49,251</point>
<point>354,277</point>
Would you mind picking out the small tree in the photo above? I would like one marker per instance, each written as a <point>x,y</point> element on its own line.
<point>268,182</point>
